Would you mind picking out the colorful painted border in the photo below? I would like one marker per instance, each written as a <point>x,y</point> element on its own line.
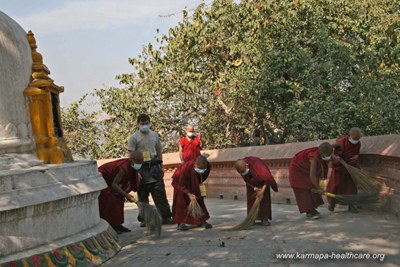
<point>86,253</point>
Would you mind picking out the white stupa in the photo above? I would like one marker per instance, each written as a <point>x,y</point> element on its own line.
<point>42,206</point>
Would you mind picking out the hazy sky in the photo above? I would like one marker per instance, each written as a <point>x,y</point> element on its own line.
<point>86,43</point>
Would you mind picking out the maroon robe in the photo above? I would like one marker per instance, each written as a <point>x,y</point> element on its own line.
<point>111,203</point>
<point>186,180</point>
<point>340,181</point>
<point>299,178</point>
<point>259,175</point>
<point>190,148</point>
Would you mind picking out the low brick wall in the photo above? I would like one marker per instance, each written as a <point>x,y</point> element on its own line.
<point>380,156</point>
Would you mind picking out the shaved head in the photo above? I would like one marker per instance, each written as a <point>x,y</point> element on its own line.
<point>325,148</point>
<point>136,156</point>
<point>355,133</point>
<point>240,165</point>
<point>190,128</point>
<point>201,162</point>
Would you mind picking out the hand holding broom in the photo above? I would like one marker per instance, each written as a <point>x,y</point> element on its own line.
<point>194,209</point>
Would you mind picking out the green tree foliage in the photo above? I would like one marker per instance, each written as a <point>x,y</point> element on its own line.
<point>293,70</point>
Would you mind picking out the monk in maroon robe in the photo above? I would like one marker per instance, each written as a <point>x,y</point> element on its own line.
<point>121,177</point>
<point>340,181</point>
<point>258,179</point>
<point>306,169</point>
<point>186,181</point>
<point>190,145</point>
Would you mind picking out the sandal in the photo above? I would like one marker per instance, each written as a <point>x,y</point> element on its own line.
<point>265,223</point>
<point>206,225</point>
<point>182,227</point>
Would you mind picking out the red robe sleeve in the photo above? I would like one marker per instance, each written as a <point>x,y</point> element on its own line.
<point>131,178</point>
<point>178,178</point>
<point>260,172</point>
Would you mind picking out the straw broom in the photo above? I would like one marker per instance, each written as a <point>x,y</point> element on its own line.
<point>362,179</point>
<point>362,198</point>
<point>151,217</point>
<point>251,216</point>
<point>194,209</point>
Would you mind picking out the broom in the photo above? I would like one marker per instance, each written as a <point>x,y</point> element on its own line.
<point>361,178</point>
<point>250,218</point>
<point>194,209</point>
<point>151,217</point>
<point>362,198</point>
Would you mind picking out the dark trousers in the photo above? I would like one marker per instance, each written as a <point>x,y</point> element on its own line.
<point>156,189</point>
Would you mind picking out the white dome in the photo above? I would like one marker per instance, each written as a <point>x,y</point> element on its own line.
<point>15,72</point>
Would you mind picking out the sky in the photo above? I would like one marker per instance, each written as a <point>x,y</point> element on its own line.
<point>86,43</point>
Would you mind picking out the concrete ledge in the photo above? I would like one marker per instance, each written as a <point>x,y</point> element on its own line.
<point>46,203</point>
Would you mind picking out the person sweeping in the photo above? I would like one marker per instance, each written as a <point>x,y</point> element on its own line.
<point>258,179</point>
<point>340,181</point>
<point>121,177</point>
<point>306,168</point>
<point>189,191</point>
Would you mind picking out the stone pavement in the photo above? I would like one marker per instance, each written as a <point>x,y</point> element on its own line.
<point>290,232</point>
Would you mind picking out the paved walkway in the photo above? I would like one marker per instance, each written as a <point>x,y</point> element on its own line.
<point>335,233</point>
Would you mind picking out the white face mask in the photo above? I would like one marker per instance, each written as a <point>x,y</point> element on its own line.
<point>136,166</point>
<point>200,171</point>
<point>190,134</point>
<point>326,158</point>
<point>245,172</point>
<point>354,142</point>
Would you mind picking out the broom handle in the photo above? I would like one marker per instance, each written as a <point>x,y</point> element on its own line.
<point>325,193</point>
<point>134,200</point>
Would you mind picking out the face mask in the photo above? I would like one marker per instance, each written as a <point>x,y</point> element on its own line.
<point>190,134</point>
<point>354,142</point>
<point>200,171</point>
<point>245,172</point>
<point>144,128</point>
<point>136,166</point>
<point>326,158</point>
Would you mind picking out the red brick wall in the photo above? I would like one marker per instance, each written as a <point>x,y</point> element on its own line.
<point>380,156</point>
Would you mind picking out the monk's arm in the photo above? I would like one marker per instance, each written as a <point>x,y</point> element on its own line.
<point>177,182</point>
<point>180,152</point>
<point>115,184</point>
<point>313,174</point>
<point>337,147</point>
<point>264,174</point>
<point>354,159</point>
<point>200,142</point>
<point>261,191</point>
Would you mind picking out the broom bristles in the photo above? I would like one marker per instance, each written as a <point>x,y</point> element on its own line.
<point>151,218</point>
<point>250,218</point>
<point>194,209</point>
<point>359,198</point>
<point>362,179</point>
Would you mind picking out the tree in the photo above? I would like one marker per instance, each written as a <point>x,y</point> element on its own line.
<point>292,70</point>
